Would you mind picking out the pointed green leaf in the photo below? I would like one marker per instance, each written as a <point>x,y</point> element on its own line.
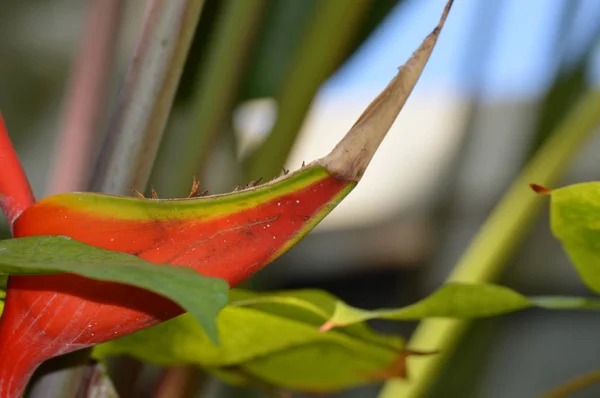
<point>321,367</point>
<point>575,221</point>
<point>455,300</point>
<point>460,300</point>
<point>259,334</point>
<point>203,297</point>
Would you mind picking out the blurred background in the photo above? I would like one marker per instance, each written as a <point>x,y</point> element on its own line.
<point>504,74</point>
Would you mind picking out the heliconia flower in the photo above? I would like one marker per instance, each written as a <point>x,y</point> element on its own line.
<point>230,236</point>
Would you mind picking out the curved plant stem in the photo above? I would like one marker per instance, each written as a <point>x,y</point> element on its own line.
<point>496,241</point>
<point>15,192</point>
<point>572,386</point>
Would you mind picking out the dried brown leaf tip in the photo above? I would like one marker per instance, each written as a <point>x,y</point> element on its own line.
<point>138,194</point>
<point>540,189</point>
<point>195,191</point>
<point>254,183</point>
<point>350,158</point>
<point>251,184</point>
<point>195,188</point>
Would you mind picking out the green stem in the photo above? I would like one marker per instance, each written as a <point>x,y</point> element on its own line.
<point>331,34</point>
<point>132,141</point>
<point>214,97</point>
<point>496,241</point>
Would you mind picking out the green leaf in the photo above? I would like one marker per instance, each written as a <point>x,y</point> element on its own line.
<point>310,306</point>
<point>453,300</point>
<point>575,221</point>
<point>460,300</point>
<point>273,338</point>
<point>320,367</point>
<point>203,297</point>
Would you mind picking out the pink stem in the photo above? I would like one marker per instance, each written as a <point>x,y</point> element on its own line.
<point>88,89</point>
<point>15,191</point>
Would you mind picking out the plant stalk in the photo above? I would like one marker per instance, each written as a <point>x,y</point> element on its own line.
<point>86,98</point>
<point>145,101</point>
<point>215,94</point>
<point>331,34</point>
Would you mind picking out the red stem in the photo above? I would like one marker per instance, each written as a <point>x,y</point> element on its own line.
<point>15,192</point>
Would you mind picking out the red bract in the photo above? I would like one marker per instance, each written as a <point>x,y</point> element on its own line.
<point>229,236</point>
<point>15,192</point>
